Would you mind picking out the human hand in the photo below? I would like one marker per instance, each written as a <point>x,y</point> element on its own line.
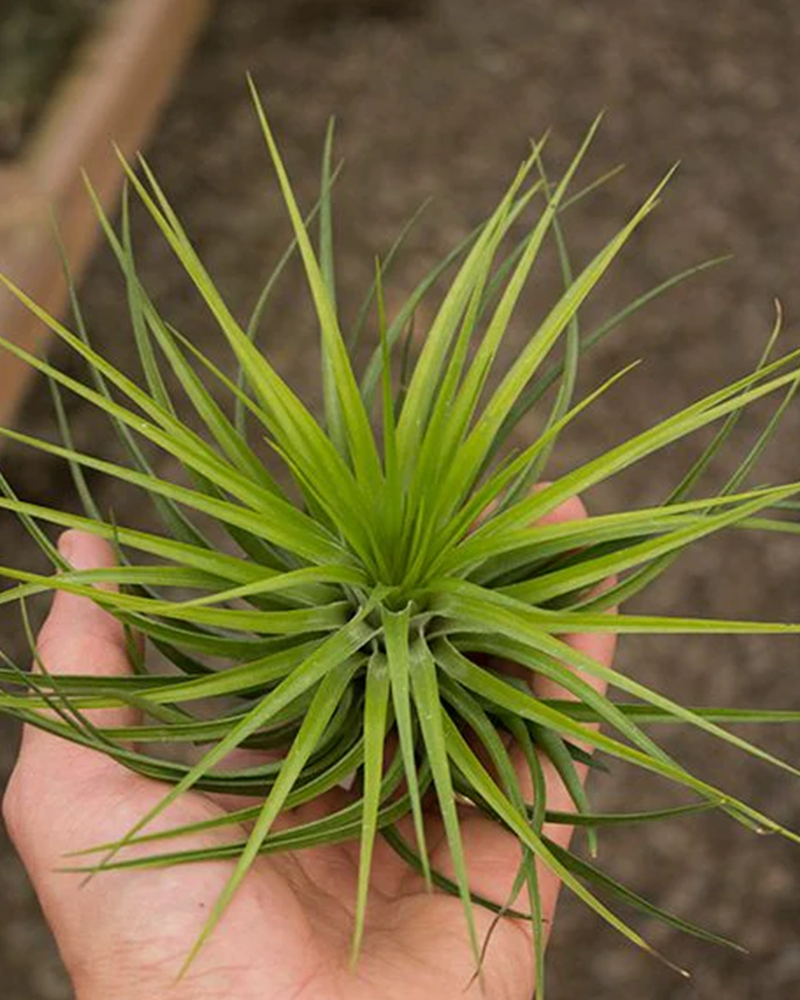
<point>287,932</point>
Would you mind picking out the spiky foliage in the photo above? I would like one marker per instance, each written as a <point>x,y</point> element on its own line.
<point>372,602</point>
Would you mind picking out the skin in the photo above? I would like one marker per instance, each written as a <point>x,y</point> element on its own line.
<point>286,935</point>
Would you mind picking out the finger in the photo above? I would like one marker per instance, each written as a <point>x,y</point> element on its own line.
<point>598,646</point>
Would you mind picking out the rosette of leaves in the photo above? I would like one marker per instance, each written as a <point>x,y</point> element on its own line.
<point>356,625</point>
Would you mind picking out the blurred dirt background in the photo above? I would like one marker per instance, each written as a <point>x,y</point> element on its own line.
<point>438,98</point>
<point>37,40</point>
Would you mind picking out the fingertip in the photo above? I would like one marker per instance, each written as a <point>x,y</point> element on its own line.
<point>83,550</point>
<point>572,509</point>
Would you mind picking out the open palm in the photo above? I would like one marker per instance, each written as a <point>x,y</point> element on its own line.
<point>287,933</point>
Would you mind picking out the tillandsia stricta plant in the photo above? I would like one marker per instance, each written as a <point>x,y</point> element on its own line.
<point>357,626</point>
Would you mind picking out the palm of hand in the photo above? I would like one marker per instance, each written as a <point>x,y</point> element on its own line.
<point>287,932</point>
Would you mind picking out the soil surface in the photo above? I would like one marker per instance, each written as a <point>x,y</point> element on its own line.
<point>37,41</point>
<point>436,98</point>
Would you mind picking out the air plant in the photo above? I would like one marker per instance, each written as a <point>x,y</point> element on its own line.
<point>369,596</point>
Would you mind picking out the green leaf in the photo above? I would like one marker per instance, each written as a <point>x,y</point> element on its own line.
<point>427,373</point>
<point>514,625</point>
<point>705,411</point>
<point>475,447</point>
<point>216,563</point>
<point>528,399</point>
<point>288,527</point>
<point>396,637</point>
<point>431,717</point>
<point>325,700</point>
<point>591,571</point>
<point>329,655</point>
<point>353,422</point>
<point>477,775</point>
<point>376,708</point>
<point>591,874</point>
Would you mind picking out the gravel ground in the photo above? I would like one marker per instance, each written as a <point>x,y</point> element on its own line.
<point>437,99</point>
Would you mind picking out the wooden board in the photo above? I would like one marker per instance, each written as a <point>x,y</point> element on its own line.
<point>119,82</point>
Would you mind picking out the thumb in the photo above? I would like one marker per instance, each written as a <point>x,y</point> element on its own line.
<point>63,797</point>
<point>51,774</point>
<point>79,637</point>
